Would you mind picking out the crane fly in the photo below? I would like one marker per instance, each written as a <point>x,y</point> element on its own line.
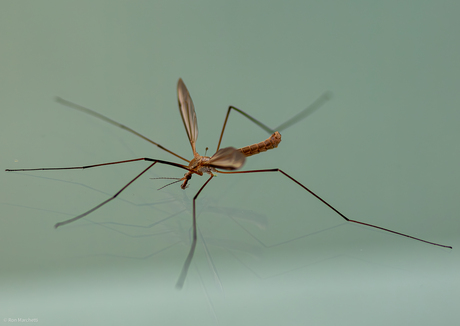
<point>228,159</point>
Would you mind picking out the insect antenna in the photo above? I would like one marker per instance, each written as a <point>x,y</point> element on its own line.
<point>177,180</point>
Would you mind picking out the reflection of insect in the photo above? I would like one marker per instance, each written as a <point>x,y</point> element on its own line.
<point>228,158</point>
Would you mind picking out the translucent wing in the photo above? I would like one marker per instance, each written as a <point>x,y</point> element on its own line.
<point>228,158</point>
<point>187,112</point>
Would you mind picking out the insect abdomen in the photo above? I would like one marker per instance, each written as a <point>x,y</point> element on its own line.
<point>263,146</point>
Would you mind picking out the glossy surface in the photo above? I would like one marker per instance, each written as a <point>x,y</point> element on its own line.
<point>383,150</point>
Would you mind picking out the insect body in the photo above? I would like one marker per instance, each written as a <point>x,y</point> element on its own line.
<point>228,159</point>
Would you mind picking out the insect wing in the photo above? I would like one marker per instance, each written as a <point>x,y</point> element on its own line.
<point>228,158</point>
<point>187,112</point>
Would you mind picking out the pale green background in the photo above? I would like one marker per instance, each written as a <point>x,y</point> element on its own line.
<point>384,150</point>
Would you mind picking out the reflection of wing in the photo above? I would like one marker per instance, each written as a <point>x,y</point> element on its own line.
<point>187,112</point>
<point>228,158</point>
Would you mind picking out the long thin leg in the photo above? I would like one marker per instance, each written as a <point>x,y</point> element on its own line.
<point>104,202</point>
<point>307,111</point>
<point>104,118</point>
<point>183,274</point>
<point>102,164</point>
<point>335,210</point>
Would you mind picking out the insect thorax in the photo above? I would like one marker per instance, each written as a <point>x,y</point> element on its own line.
<point>198,164</point>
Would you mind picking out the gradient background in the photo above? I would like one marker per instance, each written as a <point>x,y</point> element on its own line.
<point>384,150</point>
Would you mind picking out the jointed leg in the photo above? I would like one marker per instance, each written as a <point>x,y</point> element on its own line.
<point>106,119</point>
<point>335,210</point>
<point>104,164</point>
<point>104,202</point>
<point>76,167</point>
<point>309,110</point>
<point>183,274</point>
<point>101,164</point>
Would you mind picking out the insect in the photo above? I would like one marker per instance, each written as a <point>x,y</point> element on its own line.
<point>228,159</point>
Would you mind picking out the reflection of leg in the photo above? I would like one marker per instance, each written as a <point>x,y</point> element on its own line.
<point>335,210</point>
<point>183,274</point>
<point>104,202</point>
<point>104,164</point>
